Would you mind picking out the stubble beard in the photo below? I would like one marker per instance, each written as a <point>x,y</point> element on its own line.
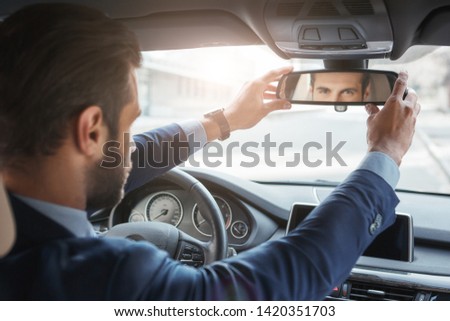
<point>105,186</point>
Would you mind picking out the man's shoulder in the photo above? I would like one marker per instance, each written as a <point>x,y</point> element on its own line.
<point>110,269</point>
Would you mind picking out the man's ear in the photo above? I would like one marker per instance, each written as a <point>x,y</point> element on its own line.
<point>90,131</point>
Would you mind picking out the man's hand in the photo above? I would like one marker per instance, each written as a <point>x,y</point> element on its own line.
<point>249,108</point>
<point>391,129</point>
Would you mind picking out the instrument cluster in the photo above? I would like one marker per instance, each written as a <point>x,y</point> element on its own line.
<point>175,207</point>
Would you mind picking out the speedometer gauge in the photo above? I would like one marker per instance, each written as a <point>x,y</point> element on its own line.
<point>200,223</point>
<point>164,207</point>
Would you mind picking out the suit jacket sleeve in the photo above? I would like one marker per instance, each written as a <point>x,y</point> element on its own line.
<point>305,265</point>
<point>157,151</point>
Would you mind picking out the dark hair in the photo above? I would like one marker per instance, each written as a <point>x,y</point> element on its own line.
<point>55,61</point>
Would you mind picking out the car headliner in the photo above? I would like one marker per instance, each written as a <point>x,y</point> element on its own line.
<point>176,24</point>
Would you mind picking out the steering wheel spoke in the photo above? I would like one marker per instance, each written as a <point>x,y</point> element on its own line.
<point>191,251</point>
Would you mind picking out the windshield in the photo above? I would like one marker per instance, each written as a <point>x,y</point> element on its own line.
<point>307,143</point>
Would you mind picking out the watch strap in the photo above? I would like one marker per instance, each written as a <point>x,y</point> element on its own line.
<point>219,118</point>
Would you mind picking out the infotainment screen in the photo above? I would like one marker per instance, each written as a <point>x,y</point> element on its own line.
<point>395,243</point>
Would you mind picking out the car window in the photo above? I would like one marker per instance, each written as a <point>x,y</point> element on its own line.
<point>307,143</point>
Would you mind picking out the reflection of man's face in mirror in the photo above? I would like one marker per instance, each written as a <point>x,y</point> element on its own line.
<point>340,86</point>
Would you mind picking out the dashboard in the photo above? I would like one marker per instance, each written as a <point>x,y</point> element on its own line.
<point>176,207</point>
<point>257,212</point>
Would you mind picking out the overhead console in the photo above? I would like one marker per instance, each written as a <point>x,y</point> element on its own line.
<point>330,29</point>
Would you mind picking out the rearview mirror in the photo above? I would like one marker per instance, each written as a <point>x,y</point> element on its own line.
<point>334,87</point>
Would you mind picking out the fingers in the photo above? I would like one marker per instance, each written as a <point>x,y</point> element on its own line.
<point>400,89</point>
<point>275,74</point>
<point>271,87</point>
<point>270,92</point>
<point>411,100</point>
<point>269,95</point>
<point>417,109</point>
<point>278,105</point>
<point>411,96</point>
<point>372,109</point>
<point>400,85</point>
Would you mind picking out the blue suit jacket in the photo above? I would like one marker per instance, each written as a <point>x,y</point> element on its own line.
<point>49,263</point>
<point>157,151</point>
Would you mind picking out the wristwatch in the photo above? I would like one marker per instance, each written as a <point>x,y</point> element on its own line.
<point>219,118</point>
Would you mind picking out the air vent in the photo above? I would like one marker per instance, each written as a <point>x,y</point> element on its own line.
<point>289,9</point>
<point>358,7</point>
<point>323,9</point>
<point>372,292</point>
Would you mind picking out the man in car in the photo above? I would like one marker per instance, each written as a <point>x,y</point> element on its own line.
<point>341,87</point>
<point>67,88</point>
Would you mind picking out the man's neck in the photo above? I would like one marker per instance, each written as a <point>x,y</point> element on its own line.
<point>51,180</point>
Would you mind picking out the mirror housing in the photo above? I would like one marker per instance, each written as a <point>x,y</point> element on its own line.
<point>337,87</point>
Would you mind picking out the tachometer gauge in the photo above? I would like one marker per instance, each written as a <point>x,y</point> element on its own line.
<point>200,223</point>
<point>164,207</point>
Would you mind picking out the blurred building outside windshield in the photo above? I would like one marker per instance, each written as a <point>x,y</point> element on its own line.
<point>307,143</point>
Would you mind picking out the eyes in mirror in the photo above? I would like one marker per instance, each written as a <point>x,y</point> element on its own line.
<point>328,87</point>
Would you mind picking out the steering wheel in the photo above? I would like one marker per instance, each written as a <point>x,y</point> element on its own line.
<point>167,237</point>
